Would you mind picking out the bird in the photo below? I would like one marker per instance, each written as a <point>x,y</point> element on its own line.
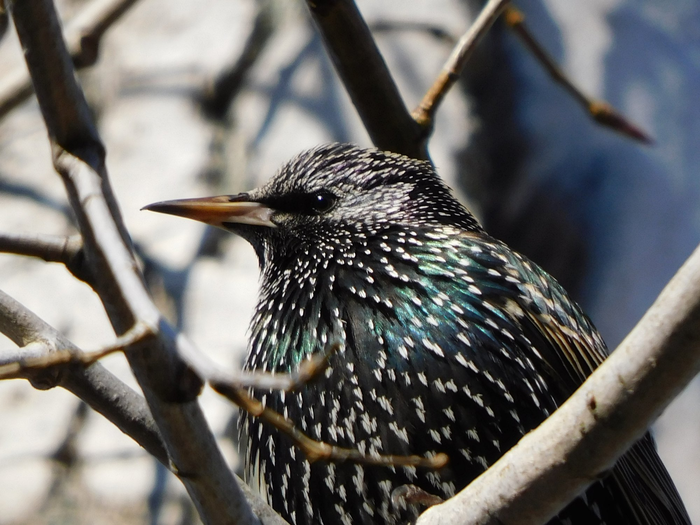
<point>450,343</point>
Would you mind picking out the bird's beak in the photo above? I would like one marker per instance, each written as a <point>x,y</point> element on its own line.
<point>218,211</point>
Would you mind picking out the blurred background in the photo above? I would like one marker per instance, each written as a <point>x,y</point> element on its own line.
<point>611,219</point>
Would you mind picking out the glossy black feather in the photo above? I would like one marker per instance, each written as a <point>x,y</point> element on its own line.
<point>451,342</point>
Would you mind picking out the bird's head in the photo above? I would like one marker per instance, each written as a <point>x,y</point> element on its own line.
<point>328,193</point>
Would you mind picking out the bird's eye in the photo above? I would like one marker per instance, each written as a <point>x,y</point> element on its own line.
<point>322,202</point>
<point>312,203</point>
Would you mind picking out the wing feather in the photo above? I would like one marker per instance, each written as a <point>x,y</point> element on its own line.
<point>572,349</point>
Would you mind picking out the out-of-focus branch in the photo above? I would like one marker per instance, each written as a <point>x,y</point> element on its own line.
<point>170,387</point>
<point>366,78</point>
<point>435,30</point>
<point>15,88</point>
<point>218,95</point>
<point>3,19</point>
<point>588,433</point>
<point>96,386</point>
<point>50,248</point>
<point>90,26</point>
<point>424,114</point>
<point>83,43</point>
<point>43,357</point>
<point>599,110</point>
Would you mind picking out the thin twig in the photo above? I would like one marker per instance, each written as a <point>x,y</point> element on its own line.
<point>599,110</point>
<point>24,365</point>
<point>314,450</point>
<point>63,356</point>
<point>317,450</point>
<point>96,386</point>
<point>424,114</point>
<point>308,370</point>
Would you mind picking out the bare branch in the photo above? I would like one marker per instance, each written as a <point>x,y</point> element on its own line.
<point>366,78</point>
<point>83,43</point>
<point>231,388</point>
<point>316,450</point>
<point>66,452</point>
<point>15,88</point>
<point>41,358</point>
<point>424,114</point>
<point>95,385</point>
<point>588,433</point>
<point>37,360</point>
<point>50,248</point>
<point>307,371</point>
<point>3,19</point>
<point>90,26</point>
<point>221,91</point>
<point>170,387</point>
<point>600,111</point>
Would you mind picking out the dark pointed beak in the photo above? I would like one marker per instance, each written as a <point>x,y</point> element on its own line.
<point>218,210</point>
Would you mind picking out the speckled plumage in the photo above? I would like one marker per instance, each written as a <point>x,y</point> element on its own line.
<point>451,342</point>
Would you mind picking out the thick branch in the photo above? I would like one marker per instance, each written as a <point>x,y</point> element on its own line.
<point>366,77</point>
<point>169,386</point>
<point>96,386</point>
<point>584,438</point>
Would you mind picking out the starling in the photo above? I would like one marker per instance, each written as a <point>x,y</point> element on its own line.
<point>451,343</point>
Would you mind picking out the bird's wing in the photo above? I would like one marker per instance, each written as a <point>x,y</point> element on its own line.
<point>646,486</point>
<point>573,349</point>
